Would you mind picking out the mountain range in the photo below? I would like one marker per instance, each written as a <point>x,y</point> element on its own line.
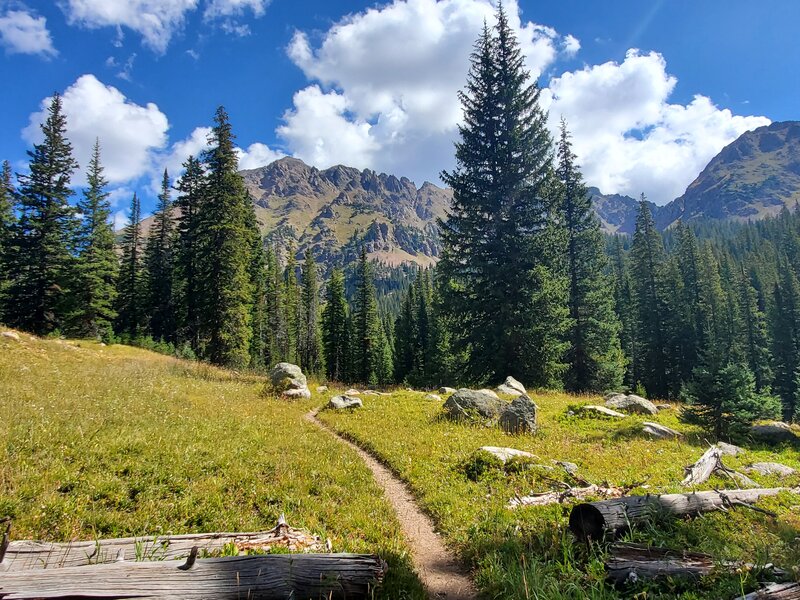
<point>334,211</point>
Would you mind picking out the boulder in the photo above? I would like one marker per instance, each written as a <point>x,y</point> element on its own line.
<point>773,432</point>
<point>726,449</point>
<point>288,380</point>
<point>654,430</point>
<point>434,397</point>
<point>505,454</point>
<point>631,404</point>
<point>345,402</point>
<point>489,392</point>
<point>770,468</point>
<point>472,405</point>
<point>519,416</point>
<point>512,383</point>
<point>592,410</point>
<point>352,392</point>
<point>447,390</point>
<point>11,335</point>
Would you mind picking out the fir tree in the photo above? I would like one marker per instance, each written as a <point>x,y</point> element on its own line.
<point>189,203</point>
<point>754,329</point>
<point>7,222</point>
<point>785,328</point>
<point>292,306</point>
<point>130,285</point>
<point>258,282</point>
<point>224,261</point>
<point>277,348</point>
<point>42,268</point>
<point>310,343</point>
<point>159,257</point>
<point>98,264</point>
<point>625,307</point>
<point>368,353</point>
<point>505,287</point>
<point>335,334</point>
<point>595,359</point>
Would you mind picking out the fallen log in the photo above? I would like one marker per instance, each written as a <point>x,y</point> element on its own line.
<point>264,577</point>
<point>28,554</point>
<point>594,520</point>
<point>628,563</point>
<point>567,494</point>
<point>710,463</point>
<point>775,591</point>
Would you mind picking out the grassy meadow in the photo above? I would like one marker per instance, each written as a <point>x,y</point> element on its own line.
<point>529,552</point>
<point>113,441</point>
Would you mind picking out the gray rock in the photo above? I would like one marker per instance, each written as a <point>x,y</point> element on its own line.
<point>11,335</point>
<point>512,387</point>
<point>773,432</point>
<point>489,392</point>
<point>370,393</point>
<point>288,380</point>
<point>519,416</point>
<point>434,397</point>
<point>322,388</point>
<point>345,402</point>
<point>632,404</point>
<point>661,407</point>
<point>654,430</point>
<point>505,454</point>
<point>352,392</point>
<point>570,467</point>
<point>472,405</point>
<point>600,411</point>
<point>726,449</point>
<point>508,391</point>
<point>770,468</point>
<point>447,390</point>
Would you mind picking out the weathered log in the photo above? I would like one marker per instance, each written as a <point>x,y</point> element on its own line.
<point>25,554</point>
<point>710,463</point>
<point>608,517</point>
<point>775,591</point>
<point>567,494</point>
<point>628,563</point>
<point>265,577</point>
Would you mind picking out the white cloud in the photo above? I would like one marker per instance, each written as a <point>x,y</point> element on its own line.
<point>128,132</point>
<point>571,45</point>
<point>390,78</point>
<point>628,137</point>
<point>155,20</point>
<point>23,33</point>
<point>257,155</point>
<point>230,8</point>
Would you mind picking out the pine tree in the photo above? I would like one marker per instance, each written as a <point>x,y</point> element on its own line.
<point>258,282</point>
<point>625,308</point>
<point>595,358</point>
<point>648,260</point>
<point>159,260</point>
<point>785,329</point>
<point>292,306</point>
<point>190,187</point>
<point>98,264</point>
<point>310,343</point>
<point>754,329</point>
<point>335,334</point>
<point>42,269</point>
<point>223,264</point>
<point>505,288</point>
<point>367,330</point>
<point>131,281</point>
<point>7,222</point>
<point>276,350</point>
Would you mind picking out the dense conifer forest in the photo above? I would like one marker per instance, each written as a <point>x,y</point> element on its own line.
<point>527,284</point>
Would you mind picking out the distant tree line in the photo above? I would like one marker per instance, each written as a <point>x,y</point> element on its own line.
<point>527,285</point>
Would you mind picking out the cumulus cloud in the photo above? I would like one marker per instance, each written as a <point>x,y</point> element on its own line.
<point>388,81</point>
<point>24,33</point>
<point>629,138</point>
<point>383,94</point>
<point>257,155</point>
<point>128,133</point>
<point>230,8</point>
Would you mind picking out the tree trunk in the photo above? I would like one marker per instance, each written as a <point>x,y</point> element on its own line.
<point>609,517</point>
<point>265,577</point>
<point>775,591</point>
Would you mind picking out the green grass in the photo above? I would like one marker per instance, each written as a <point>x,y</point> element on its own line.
<point>529,552</point>
<point>116,441</point>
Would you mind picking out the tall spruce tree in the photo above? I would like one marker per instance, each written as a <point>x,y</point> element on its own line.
<point>276,349</point>
<point>159,260</point>
<point>625,307</point>
<point>368,336</point>
<point>292,305</point>
<point>189,203</point>
<point>98,264</point>
<point>502,241</point>
<point>7,222</point>
<point>755,337</point>
<point>310,344</point>
<point>42,270</point>
<point>785,329</point>
<point>131,282</point>
<point>224,261</point>
<point>595,360</point>
<point>335,335</point>
<point>258,283</point>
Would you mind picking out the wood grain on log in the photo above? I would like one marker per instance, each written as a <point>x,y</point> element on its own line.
<point>628,563</point>
<point>265,577</point>
<point>775,591</point>
<point>608,517</point>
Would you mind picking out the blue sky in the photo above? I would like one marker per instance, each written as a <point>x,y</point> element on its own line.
<point>652,90</point>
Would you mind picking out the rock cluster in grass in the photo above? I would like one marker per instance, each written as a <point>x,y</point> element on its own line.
<point>773,432</point>
<point>658,431</point>
<point>485,407</point>
<point>345,402</point>
<point>288,381</point>
<point>631,403</point>
<point>770,468</point>
<point>519,416</point>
